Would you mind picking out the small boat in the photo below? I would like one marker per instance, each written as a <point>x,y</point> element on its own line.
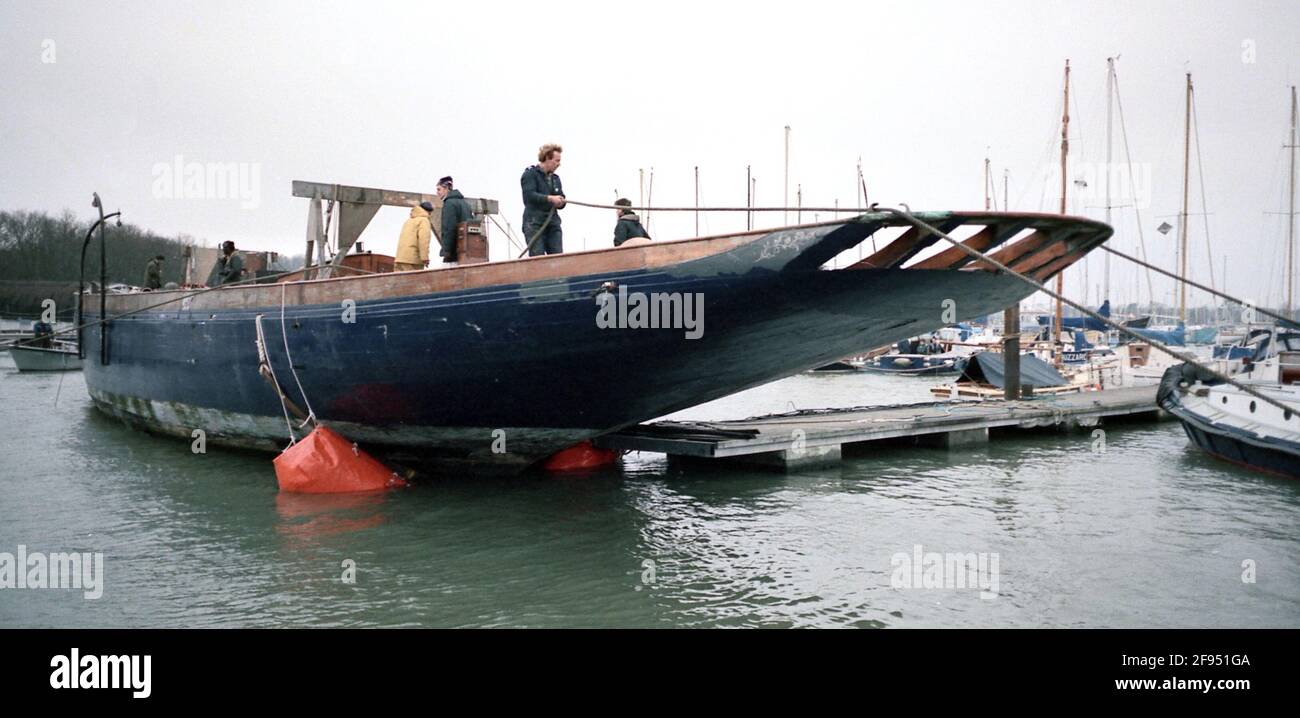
<point>917,364</point>
<point>62,356</point>
<point>835,367</point>
<point>1230,424</point>
<point>942,352</point>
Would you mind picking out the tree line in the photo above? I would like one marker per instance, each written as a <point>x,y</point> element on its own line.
<point>37,246</point>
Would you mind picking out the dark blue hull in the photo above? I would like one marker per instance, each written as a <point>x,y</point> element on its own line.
<point>509,373</point>
<point>1229,448</point>
<point>1248,449</point>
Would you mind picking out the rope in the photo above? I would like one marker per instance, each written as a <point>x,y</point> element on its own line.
<point>311,413</point>
<point>1132,183</point>
<point>841,210</point>
<point>540,229</point>
<point>264,363</point>
<point>1202,287</point>
<point>1205,211</point>
<point>907,215</point>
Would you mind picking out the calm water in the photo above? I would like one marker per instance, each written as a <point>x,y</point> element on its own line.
<point>1149,533</point>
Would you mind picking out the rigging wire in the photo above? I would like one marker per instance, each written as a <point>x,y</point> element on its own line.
<point>1200,170</point>
<point>1137,211</point>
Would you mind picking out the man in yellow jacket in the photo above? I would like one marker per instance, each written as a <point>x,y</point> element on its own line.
<point>413,244</point>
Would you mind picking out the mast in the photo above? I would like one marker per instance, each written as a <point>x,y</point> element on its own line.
<point>987,182</point>
<point>649,198</point>
<point>697,200</point>
<point>1290,218</point>
<point>859,185</point>
<point>1065,152</point>
<point>1182,221</point>
<point>749,199</point>
<point>1110,170</point>
<point>785,202</point>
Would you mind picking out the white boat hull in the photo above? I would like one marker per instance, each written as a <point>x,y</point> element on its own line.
<point>41,359</point>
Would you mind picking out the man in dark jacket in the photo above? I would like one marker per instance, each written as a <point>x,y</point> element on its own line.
<point>153,273</point>
<point>229,267</point>
<point>454,211</point>
<point>543,198</point>
<point>628,225</point>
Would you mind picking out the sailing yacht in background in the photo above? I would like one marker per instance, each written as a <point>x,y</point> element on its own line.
<point>1230,424</point>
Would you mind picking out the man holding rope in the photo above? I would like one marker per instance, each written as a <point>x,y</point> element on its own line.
<point>543,198</point>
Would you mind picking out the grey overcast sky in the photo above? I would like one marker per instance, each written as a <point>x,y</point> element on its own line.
<point>99,96</point>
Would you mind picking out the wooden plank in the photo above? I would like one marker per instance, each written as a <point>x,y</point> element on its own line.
<point>388,197</point>
<point>1015,251</point>
<point>1051,269</point>
<point>1036,259</point>
<point>903,248</point>
<point>954,257</point>
<point>891,253</point>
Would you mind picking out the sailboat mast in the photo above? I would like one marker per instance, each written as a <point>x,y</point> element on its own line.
<point>1182,221</point>
<point>1110,170</point>
<point>785,201</point>
<point>1290,217</point>
<point>987,181</point>
<point>1065,151</point>
<point>697,200</point>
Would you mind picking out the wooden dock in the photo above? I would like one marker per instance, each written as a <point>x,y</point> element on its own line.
<point>812,437</point>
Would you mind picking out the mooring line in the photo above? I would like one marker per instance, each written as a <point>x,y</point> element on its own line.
<point>311,413</point>
<point>264,362</point>
<point>841,210</point>
<point>1202,287</point>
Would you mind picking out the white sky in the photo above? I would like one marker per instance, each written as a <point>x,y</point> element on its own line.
<point>395,95</point>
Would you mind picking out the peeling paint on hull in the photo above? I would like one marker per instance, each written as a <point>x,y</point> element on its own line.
<point>413,445</point>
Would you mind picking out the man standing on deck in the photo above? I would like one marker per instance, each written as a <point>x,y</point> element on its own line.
<point>153,273</point>
<point>455,210</point>
<point>413,243</point>
<point>628,225</point>
<point>543,198</point>
<point>230,266</point>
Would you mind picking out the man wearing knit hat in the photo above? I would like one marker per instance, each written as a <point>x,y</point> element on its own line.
<point>455,210</point>
<point>628,225</point>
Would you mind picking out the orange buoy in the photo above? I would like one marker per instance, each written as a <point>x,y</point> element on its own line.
<point>582,455</point>
<point>326,463</point>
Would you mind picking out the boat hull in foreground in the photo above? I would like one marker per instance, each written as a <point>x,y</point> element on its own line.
<point>499,365</point>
